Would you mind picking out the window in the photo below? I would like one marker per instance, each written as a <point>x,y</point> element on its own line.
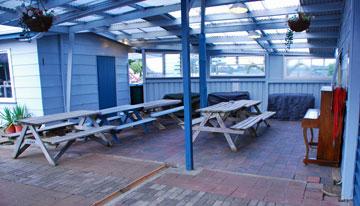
<point>251,66</point>
<point>154,65</point>
<point>172,65</point>
<point>6,83</point>
<point>308,68</point>
<point>194,65</point>
<point>161,65</point>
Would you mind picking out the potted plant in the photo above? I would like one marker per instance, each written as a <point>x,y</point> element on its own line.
<point>36,19</point>
<point>297,23</point>
<point>19,113</point>
<point>7,120</point>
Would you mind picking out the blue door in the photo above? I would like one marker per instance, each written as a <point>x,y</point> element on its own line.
<point>106,81</point>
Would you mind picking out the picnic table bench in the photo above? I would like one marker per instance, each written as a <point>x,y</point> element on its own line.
<point>31,133</point>
<point>123,113</point>
<point>214,117</point>
<point>155,109</point>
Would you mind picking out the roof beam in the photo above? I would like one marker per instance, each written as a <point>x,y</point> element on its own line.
<point>302,35</point>
<point>219,17</point>
<point>281,24</point>
<point>146,12</point>
<point>93,9</point>
<point>245,47</point>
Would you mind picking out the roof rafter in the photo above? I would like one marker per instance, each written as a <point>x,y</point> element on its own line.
<point>93,9</point>
<point>229,16</point>
<point>147,12</point>
<point>236,27</point>
<point>302,35</point>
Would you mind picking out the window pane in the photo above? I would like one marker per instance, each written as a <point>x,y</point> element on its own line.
<point>5,80</point>
<point>172,65</point>
<point>309,68</point>
<point>194,65</point>
<point>154,65</point>
<point>237,66</point>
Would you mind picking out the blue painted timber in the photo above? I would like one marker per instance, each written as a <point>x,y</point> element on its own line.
<point>185,62</point>
<point>106,81</point>
<point>350,160</point>
<point>202,59</point>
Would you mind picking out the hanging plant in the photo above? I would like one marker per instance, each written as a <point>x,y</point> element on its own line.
<point>296,23</point>
<point>299,22</point>
<point>289,38</point>
<point>36,18</point>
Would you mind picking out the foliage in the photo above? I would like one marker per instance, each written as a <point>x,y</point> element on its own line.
<point>35,17</point>
<point>136,66</point>
<point>20,112</point>
<point>289,38</point>
<point>331,69</point>
<point>7,117</point>
<point>10,116</point>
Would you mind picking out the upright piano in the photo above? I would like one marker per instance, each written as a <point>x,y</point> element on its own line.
<point>328,149</point>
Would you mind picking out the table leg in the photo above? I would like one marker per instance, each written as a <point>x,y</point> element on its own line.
<point>203,123</point>
<point>258,111</point>
<point>139,117</point>
<point>20,140</point>
<point>42,146</point>
<point>227,136</point>
<point>63,150</point>
<point>104,121</point>
<point>173,116</point>
<point>101,135</point>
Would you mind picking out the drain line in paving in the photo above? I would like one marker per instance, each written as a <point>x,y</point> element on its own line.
<point>130,186</point>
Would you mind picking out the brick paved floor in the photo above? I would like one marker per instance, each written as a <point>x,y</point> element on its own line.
<point>78,180</point>
<point>221,188</point>
<point>89,171</point>
<point>277,151</point>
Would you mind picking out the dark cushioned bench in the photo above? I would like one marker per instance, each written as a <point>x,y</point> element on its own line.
<point>290,106</point>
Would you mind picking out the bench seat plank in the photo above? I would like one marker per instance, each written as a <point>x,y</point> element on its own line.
<point>252,120</point>
<point>166,112</point>
<point>132,124</point>
<point>75,135</point>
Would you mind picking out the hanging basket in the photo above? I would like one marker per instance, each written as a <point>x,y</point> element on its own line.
<point>36,20</point>
<point>299,23</point>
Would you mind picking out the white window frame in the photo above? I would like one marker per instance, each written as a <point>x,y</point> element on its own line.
<point>286,77</point>
<point>237,55</point>
<point>13,98</point>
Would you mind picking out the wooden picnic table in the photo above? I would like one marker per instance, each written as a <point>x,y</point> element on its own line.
<point>155,109</point>
<point>34,128</point>
<point>158,104</point>
<point>123,113</point>
<point>214,117</point>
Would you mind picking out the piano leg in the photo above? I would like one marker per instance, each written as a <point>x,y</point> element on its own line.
<point>306,158</point>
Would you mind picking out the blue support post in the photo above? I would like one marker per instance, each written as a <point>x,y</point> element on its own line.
<point>185,63</point>
<point>351,134</point>
<point>202,58</point>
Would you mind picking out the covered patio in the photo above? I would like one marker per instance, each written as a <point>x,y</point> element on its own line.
<point>229,92</point>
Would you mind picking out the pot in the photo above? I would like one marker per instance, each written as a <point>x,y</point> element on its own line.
<point>10,129</point>
<point>18,128</point>
<point>299,24</point>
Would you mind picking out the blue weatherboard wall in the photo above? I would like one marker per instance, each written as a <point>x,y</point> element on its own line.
<point>85,82</point>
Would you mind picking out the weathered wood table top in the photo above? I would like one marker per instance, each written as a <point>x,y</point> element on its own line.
<point>57,117</point>
<point>160,103</point>
<point>122,108</point>
<point>230,106</point>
